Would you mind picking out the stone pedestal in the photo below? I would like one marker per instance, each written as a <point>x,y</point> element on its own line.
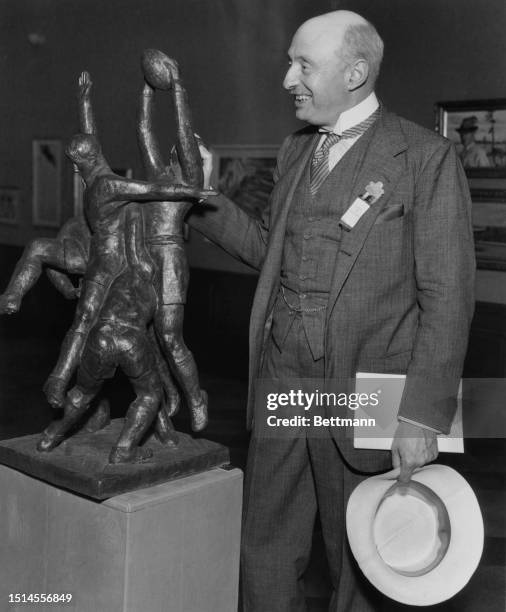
<point>172,547</point>
<point>81,463</point>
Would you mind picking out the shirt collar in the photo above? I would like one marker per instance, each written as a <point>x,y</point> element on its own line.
<point>355,115</point>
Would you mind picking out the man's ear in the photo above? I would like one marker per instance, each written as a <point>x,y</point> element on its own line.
<point>358,74</point>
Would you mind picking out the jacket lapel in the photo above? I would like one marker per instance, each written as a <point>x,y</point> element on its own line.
<point>381,163</point>
<point>282,200</point>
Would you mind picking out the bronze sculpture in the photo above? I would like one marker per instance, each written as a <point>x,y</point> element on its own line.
<point>120,338</point>
<point>105,197</point>
<point>164,225</point>
<point>128,282</point>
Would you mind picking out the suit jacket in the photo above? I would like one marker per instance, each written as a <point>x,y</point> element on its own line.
<point>401,298</point>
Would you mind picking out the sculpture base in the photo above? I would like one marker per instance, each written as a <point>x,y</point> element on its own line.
<point>81,465</point>
<point>174,546</point>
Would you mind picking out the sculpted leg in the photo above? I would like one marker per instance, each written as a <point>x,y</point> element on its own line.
<point>139,417</point>
<point>172,397</point>
<point>87,311</point>
<point>76,404</point>
<point>39,252</point>
<point>99,418</point>
<point>169,325</point>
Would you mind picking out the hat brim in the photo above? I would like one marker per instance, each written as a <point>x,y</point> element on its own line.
<point>464,550</point>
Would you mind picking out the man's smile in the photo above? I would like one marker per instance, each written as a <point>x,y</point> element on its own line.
<point>301,99</point>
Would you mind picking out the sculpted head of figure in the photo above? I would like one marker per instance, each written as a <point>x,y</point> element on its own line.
<point>334,62</point>
<point>84,150</point>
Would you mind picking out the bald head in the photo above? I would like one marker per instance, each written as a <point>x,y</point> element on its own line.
<point>334,62</point>
<point>353,38</point>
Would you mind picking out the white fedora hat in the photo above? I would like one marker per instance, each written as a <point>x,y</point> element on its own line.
<point>420,543</point>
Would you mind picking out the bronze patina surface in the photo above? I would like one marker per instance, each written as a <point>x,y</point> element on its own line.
<point>128,249</point>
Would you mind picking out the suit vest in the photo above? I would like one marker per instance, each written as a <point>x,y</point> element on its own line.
<point>312,240</point>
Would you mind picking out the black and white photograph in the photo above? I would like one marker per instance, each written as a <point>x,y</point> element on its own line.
<point>245,175</point>
<point>478,129</point>
<point>253,306</point>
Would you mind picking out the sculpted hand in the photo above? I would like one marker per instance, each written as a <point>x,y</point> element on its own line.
<point>412,447</point>
<point>147,89</point>
<point>173,67</point>
<point>85,84</point>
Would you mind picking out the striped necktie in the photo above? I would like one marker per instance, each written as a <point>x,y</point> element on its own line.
<point>320,162</point>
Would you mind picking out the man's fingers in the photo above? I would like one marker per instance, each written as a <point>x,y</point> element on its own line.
<point>396,460</point>
<point>406,472</point>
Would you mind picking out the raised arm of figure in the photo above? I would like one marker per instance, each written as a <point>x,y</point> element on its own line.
<point>187,145</point>
<point>121,189</point>
<point>86,119</point>
<point>148,143</point>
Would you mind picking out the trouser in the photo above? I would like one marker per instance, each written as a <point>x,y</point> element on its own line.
<point>287,482</point>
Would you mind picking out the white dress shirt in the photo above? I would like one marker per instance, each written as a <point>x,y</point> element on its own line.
<point>348,119</point>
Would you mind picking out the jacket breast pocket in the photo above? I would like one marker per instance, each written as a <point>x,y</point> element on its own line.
<point>389,214</point>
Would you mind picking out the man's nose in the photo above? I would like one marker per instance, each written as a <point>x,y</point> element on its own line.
<point>291,77</point>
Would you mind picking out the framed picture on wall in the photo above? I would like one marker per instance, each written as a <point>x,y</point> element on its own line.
<point>9,205</point>
<point>47,176</point>
<point>489,225</point>
<point>244,173</point>
<point>78,187</point>
<point>478,129</point>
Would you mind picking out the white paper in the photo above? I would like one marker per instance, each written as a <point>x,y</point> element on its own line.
<point>365,438</point>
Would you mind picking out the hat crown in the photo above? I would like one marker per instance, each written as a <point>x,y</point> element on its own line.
<point>469,124</point>
<point>411,529</point>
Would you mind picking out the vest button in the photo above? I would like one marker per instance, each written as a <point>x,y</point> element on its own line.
<point>307,235</point>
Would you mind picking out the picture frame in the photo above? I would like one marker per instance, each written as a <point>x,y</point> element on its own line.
<point>478,129</point>
<point>244,173</point>
<point>47,182</point>
<point>9,205</point>
<point>78,187</point>
<point>489,225</point>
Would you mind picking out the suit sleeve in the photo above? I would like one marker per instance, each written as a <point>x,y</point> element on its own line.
<point>227,225</point>
<point>444,271</point>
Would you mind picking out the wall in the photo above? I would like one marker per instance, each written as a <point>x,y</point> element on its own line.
<point>232,53</point>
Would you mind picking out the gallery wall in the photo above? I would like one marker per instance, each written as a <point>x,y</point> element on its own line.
<point>233,57</point>
<point>232,54</point>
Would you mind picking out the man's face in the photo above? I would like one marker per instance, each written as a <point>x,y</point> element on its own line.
<point>317,76</point>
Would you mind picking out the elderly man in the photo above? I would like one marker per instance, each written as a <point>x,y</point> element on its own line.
<point>381,283</point>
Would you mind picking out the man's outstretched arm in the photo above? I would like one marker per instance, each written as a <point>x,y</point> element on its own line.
<point>228,226</point>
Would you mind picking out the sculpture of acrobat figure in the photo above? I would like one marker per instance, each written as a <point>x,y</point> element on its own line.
<point>164,225</point>
<point>120,339</point>
<point>105,197</point>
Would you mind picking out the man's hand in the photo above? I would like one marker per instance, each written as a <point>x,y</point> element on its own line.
<point>207,162</point>
<point>84,84</point>
<point>412,447</point>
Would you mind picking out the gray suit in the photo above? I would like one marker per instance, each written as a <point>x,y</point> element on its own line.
<point>400,300</point>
